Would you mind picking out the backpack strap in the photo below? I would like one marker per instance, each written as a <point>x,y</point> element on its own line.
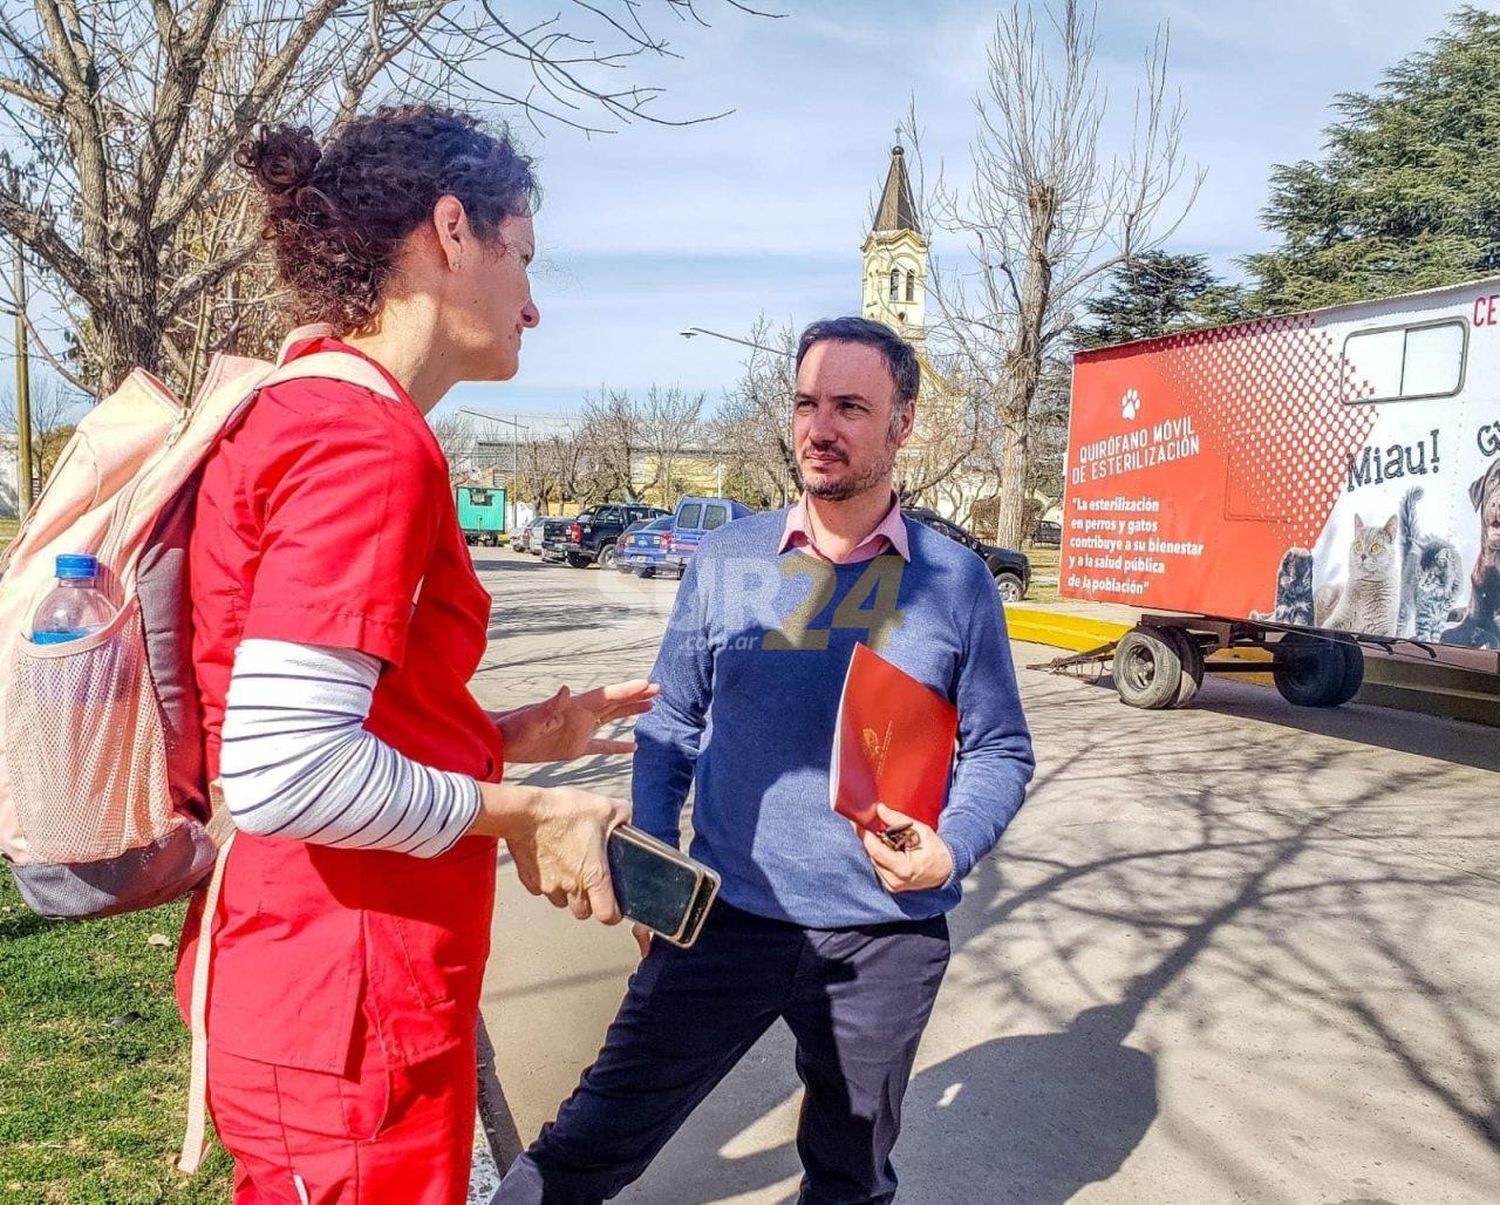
<point>194,1139</point>
<point>332,366</point>
<point>326,365</point>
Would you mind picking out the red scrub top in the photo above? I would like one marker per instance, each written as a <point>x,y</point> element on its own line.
<point>325,517</point>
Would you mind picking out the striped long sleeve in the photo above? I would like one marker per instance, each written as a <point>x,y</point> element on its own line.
<point>298,762</point>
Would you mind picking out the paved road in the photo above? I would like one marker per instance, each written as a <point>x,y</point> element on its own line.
<point>1234,953</point>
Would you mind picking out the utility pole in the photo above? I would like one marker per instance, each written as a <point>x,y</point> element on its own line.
<point>515,465</point>
<point>24,495</point>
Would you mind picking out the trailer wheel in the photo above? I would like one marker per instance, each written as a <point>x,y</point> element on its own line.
<point>1148,669</point>
<point>1190,652</point>
<point>1354,671</point>
<point>1310,671</point>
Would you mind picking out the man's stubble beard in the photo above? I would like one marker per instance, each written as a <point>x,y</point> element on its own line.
<point>852,486</point>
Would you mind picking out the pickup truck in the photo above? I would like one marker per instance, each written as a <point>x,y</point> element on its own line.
<point>591,537</point>
<point>1010,569</point>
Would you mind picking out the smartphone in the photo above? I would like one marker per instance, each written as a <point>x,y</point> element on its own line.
<point>660,887</point>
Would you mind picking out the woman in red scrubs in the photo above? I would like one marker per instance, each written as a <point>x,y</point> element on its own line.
<point>337,622</point>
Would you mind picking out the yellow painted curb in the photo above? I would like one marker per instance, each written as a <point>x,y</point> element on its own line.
<point>1388,683</point>
<point>1078,633</point>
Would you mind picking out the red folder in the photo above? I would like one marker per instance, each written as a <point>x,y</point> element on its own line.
<point>892,744</point>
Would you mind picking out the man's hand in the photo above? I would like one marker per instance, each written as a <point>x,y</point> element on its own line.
<point>927,864</point>
<point>642,937</point>
<point>563,727</point>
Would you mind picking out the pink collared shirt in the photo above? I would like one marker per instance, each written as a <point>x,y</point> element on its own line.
<point>889,535</point>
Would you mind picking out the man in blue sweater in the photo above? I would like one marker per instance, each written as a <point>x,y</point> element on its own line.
<point>830,929</point>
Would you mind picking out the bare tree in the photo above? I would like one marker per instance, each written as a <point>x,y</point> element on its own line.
<point>566,464</point>
<point>1046,215</point>
<point>670,425</point>
<point>752,427</point>
<point>456,436</point>
<point>613,440</point>
<point>952,421</point>
<point>120,120</point>
<point>53,412</point>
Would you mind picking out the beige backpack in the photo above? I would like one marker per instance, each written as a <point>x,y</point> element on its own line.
<point>104,804</point>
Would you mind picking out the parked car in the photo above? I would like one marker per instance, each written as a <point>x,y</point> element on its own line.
<point>551,538</point>
<point>1048,533</point>
<point>592,536</point>
<point>643,547</point>
<point>693,519</point>
<point>527,535</point>
<point>1011,569</point>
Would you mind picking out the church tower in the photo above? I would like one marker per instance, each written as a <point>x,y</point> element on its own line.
<point>895,280</point>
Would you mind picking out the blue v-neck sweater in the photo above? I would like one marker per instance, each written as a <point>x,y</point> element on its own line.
<point>751,668</point>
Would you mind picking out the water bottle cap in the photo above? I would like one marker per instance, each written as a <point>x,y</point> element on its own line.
<point>76,566</point>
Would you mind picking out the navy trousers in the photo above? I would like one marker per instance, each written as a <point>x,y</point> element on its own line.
<point>856,1000</point>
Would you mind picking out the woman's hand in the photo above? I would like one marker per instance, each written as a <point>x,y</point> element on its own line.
<point>563,727</point>
<point>557,840</point>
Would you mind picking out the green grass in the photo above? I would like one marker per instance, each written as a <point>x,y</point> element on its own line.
<point>1044,564</point>
<point>93,1061</point>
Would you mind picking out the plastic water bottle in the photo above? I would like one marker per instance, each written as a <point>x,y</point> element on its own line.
<point>74,607</point>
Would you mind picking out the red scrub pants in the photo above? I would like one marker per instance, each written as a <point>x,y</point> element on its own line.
<point>384,1135</point>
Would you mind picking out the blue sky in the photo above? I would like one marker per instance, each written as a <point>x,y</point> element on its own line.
<point>652,229</point>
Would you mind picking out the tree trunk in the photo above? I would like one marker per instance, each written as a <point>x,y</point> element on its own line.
<point>1024,365</point>
<point>1011,519</point>
<point>128,330</point>
<point>125,341</point>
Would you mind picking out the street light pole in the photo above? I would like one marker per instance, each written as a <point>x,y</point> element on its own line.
<point>24,494</point>
<point>691,331</point>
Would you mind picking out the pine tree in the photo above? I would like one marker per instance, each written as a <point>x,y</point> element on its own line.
<point>1407,195</point>
<point>1155,294</point>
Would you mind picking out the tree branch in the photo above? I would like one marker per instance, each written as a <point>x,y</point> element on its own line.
<point>208,274</point>
<point>34,229</point>
<point>268,81</point>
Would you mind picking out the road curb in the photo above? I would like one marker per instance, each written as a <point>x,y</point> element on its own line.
<point>1077,633</point>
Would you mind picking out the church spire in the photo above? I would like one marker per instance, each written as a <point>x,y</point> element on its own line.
<point>895,276</point>
<point>896,210</point>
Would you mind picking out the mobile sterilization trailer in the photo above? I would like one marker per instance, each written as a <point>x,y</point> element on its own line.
<point>1311,483</point>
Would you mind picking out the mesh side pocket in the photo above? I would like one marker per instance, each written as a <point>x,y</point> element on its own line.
<point>86,751</point>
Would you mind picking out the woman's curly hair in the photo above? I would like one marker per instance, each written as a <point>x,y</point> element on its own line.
<point>337,215</point>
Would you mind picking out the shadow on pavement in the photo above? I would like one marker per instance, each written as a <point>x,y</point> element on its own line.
<point>1033,1118</point>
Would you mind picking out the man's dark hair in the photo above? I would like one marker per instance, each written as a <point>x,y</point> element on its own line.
<point>899,355</point>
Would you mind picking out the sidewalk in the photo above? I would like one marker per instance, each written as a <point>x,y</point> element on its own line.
<point>1234,952</point>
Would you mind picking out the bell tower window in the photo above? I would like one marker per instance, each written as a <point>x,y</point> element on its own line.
<point>895,284</point>
<point>911,285</point>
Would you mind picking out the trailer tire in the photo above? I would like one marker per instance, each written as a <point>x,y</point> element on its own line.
<point>1354,671</point>
<point>1311,671</point>
<point>1190,652</point>
<point>1148,669</point>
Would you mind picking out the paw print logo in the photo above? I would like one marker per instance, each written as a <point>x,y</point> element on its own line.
<point>1130,404</point>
